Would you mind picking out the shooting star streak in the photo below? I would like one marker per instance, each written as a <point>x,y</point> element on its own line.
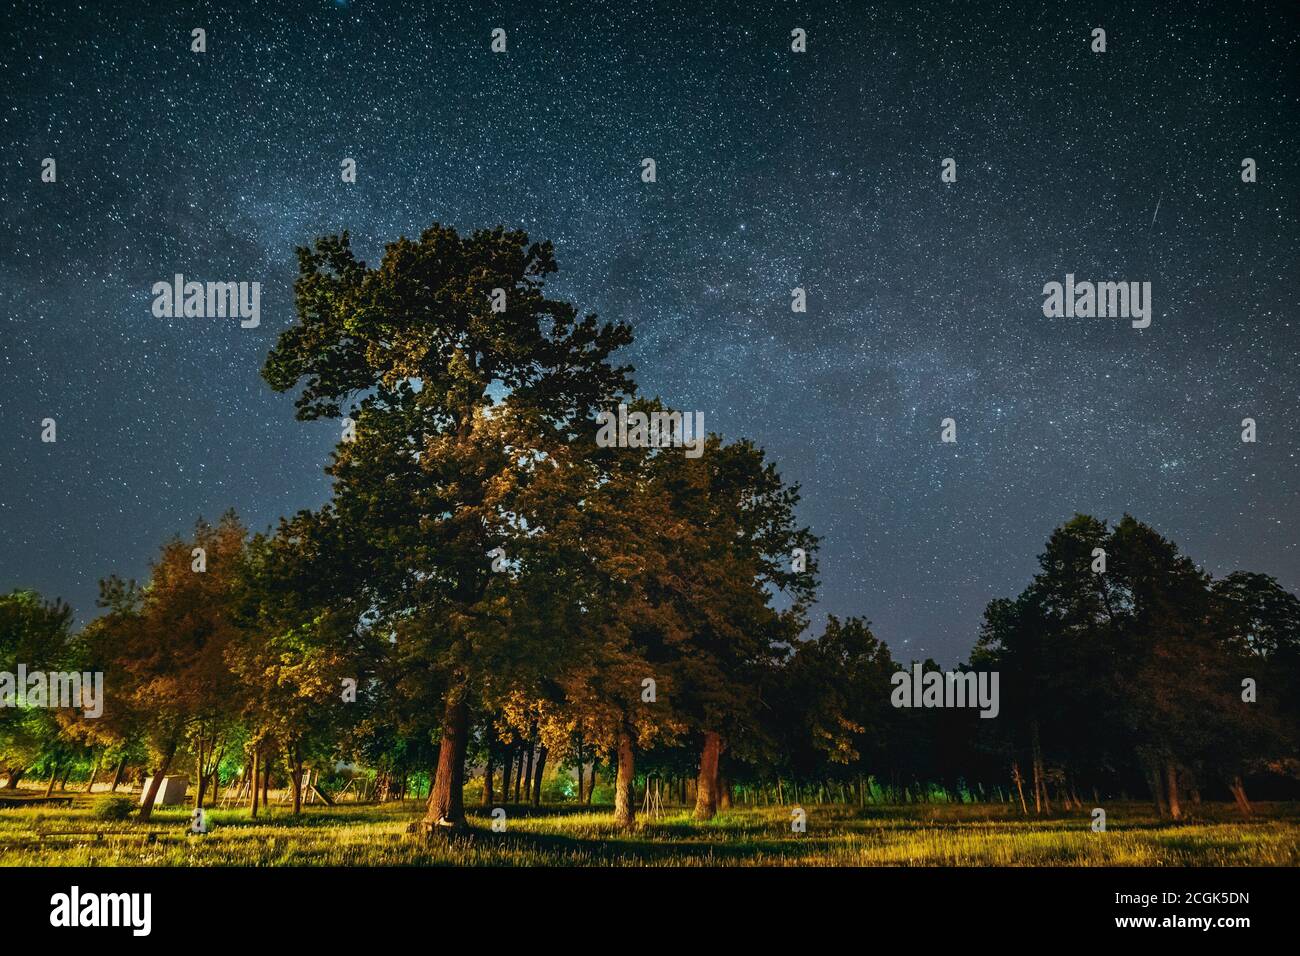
<point>1157,212</point>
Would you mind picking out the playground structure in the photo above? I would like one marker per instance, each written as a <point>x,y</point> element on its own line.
<point>653,805</point>
<point>363,790</point>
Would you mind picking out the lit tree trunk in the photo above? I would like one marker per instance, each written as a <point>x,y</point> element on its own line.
<point>118,774</point>
<point>54,775</point>
<point>528,770</point>
<point>488,772</point>
<point>199,780</point>
<point>15,774</point>
<point>212,773</point>
<point>146,808</point>
<point>1020,786</point>
<point>1074,793</point>
<point>624,803</point>
<point>263,782</point>
<point>519,772</point>
<point>254,782</point>
<point>94,772</point>
<point>579,756</point>
<point>724,791</point>
<point>446,808</point>
<point>295,772</point>
<point>706,787</point>
<point>1171,775</point>
<point>591,784</point>
<point>1238,789</point>
<point>538,770</point>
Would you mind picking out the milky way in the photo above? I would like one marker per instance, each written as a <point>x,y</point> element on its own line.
<point>775,170</point>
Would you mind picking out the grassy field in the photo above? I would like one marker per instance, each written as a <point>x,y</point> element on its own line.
<point>912,835</point>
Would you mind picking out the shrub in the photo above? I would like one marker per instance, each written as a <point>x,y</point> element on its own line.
<point>113,808</point>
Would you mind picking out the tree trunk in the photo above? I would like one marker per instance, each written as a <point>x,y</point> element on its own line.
<point>1238,789</point>
<point>295,772</point>
<point>209,765</point>
<point>538,770</point>
<point>254,782</point>
<point>624,805</point>
<point>15,774</point>
<point>200,787</point>
<point>519,770</point>
<point>507,766</point>
<point>54,775</point>
<point>724,791</point>
<point>488,771</point>
<point>591,784</point>
<point>528,770</point>
<point>1041,801</point>
<point>1171,775</point>
<point>1157,788</point>
<point>118,774</point>
<point>94,772</point>
<point>446,808</point>
<point>214,771</point>
<point>146,808</point>
<point>1020,786</point>
<point>578,752</point>
<point>706,787</point>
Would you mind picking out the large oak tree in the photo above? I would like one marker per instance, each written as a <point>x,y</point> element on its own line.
<point>446,337</point>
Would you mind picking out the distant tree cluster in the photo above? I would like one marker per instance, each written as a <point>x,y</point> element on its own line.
<point>490,591</point>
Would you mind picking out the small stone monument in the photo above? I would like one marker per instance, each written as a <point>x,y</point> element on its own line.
<point>170,792</point>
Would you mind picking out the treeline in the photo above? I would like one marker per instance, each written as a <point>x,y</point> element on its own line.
<point>491,591</point>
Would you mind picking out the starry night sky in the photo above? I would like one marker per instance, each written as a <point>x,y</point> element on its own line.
<point>775,170</point>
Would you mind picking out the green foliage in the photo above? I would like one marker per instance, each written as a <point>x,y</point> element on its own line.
<point>475,431</point>
<point>35,633</point>
<point>113,807</point>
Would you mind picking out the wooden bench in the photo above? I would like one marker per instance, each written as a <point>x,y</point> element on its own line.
<point>35,801</point>
<point>149,836</point>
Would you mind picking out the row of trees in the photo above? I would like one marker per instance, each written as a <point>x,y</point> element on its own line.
<point>488,585</point>
<point>1149,669</point>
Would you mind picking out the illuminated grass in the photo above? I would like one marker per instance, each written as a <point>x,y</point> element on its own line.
<point>914,835</point>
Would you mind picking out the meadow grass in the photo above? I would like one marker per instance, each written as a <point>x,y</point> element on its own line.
<point>909,835</point>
